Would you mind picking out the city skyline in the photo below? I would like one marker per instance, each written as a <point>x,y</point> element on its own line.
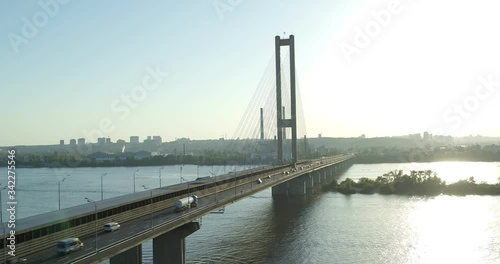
<point>189,69</point>
<point>68,141</point>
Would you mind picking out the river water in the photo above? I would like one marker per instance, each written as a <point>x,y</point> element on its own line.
<point>323,228</point>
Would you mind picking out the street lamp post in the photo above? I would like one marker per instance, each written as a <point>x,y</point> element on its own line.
<point>59,189</point>
<point>134,178</point>
<point>181,173</point>
<point>102,195</point>
<point>188,196</point>
<point>95,208</point>
<point>160,175</point>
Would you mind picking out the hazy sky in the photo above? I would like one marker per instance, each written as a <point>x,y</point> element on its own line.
<point>72,69</point>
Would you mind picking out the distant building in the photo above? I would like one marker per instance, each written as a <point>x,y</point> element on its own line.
<point>427,136</point>
<point>120,142</point>
<point>415,136</point>
<point>100,156</point>
<point>134,139</point>
<point>108,140</point>
<point>138,155</point>
<point>157,140</point>
<point>319,135</point>
<point>72,141</point>
<point>61,142</point>
<point>101,140</point>
<point>81,141</point>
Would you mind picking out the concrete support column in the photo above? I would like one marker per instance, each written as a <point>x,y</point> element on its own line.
<point>316,179</point>
<point>329,172</point>
<point>131,256</point>
<point>280,190</point>
<point>309,183</point>
<point>323,175</point>
<point>171,247</point>
<point>297,187</point>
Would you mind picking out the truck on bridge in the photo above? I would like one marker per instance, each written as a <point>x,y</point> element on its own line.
<point>186,203</point>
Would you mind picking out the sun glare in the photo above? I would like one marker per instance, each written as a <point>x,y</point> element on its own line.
<point>453,229</point>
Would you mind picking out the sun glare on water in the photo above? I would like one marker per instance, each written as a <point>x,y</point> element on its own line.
<point>453,229</point>
<point>454,171</point>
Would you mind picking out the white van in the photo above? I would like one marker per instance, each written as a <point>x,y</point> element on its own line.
<point>110,227</point>
<point>68,245</point>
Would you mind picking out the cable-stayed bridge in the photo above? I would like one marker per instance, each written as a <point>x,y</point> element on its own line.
<point>270,127</point>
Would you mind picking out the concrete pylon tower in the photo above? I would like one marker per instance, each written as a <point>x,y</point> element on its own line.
<point>282,122</point>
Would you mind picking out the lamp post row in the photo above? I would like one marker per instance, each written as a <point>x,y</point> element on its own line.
<point>102,188</point>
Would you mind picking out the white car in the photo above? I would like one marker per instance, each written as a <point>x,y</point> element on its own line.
<point>110,227</point>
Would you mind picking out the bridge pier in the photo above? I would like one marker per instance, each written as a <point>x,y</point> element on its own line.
<point>280,190</point>
<point>297,186</point>
<point>323,174</point>
<point>171,246</point>
<point>316,179</point>
<point>309,183</point>
<point>131,256</point>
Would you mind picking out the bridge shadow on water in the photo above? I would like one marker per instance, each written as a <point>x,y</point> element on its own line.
<point>261,229</point>
<point>283,222</point>
<point>258,230</point>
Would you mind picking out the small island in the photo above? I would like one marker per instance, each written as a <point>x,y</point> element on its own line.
<point>417,183</point>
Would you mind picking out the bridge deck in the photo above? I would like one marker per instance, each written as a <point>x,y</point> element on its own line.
<point>151,223</point>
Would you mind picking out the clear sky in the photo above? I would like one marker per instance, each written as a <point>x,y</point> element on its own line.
<point>72,69</point>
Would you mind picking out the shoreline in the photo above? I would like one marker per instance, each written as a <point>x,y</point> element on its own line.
<point>418,183</point>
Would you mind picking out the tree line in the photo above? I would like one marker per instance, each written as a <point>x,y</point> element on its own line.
<point>416,183</point>
<point>55,160</point>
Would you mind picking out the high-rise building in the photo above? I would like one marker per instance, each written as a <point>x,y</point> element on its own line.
<point>101,140</point>
<point>108,140</point>
<point>134,139</point>
<point>157,140</point>
<point>72,141</point>
<point>81,141</point>
<point>427,136</point>
<point>61,142</point>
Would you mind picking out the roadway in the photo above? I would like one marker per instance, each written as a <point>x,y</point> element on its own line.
<point>106,240</point>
